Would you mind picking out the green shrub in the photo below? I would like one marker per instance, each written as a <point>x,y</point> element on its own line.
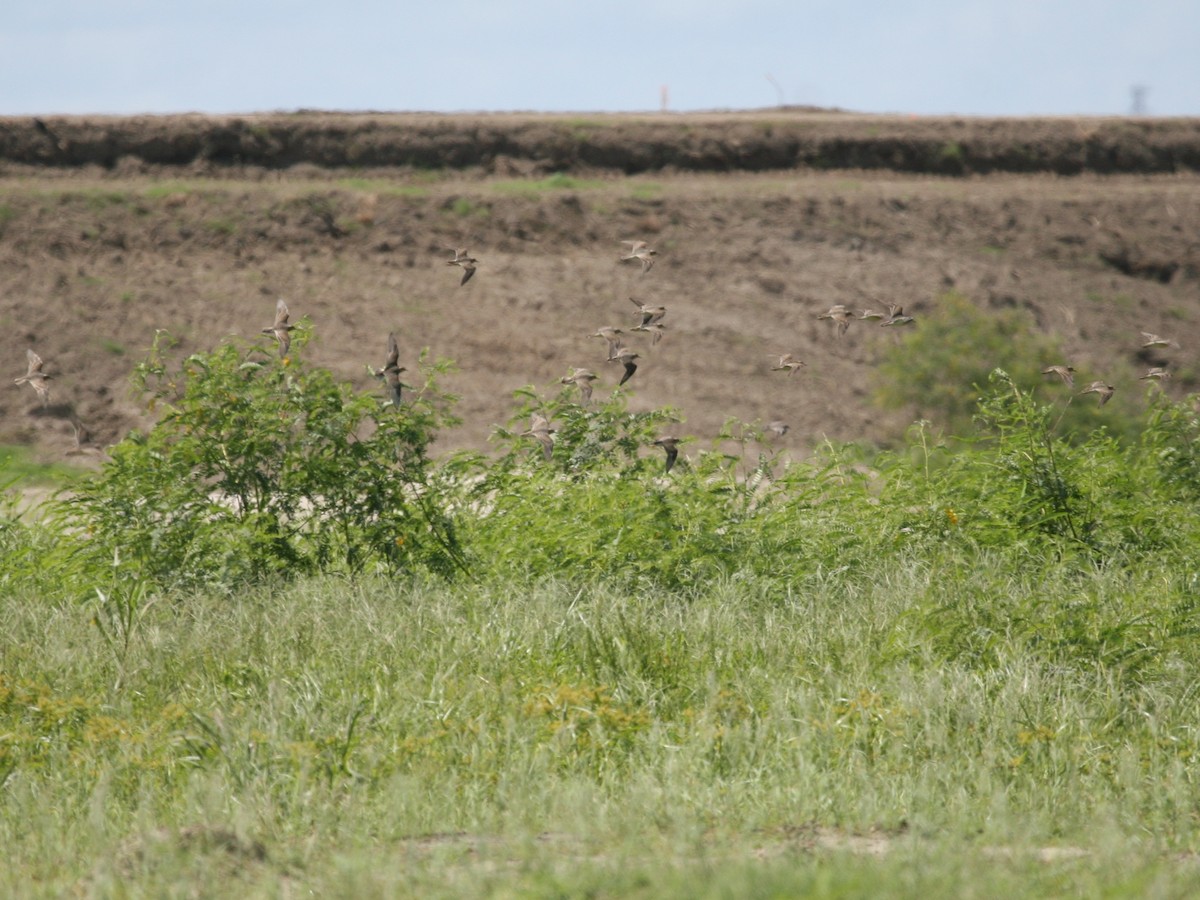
<point>1021,487</point>
<point>602,505</point>
<point>942,365</point>
<point>262,467</point>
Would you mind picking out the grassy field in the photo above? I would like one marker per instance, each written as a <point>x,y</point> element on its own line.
<point>377,739</point>
<point>232,669</point>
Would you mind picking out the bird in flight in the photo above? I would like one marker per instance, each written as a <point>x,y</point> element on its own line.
<point>840,315</point>
<point>642,251</point>
<point>651,315</point>
<point>466,260</point>
<point>872,315</point>
<point>1154,340</point>
<point>777,428</point>
<point>539,430</point>
<point>612,336</point>
<point>670,446</point>
<point>787,363</point>
<point>582,379</point>
<point>281,328</point>
<point>898,317</point>
<point>391,370</point>
<point>625,357</point>
<point>1066,373</point>
<point>1100,389</point>
<point>655,331</point>
<point>35,377</point>
<point>1158,373</point>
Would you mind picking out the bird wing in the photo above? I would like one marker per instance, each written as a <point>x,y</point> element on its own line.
<point>468,271</point>
<point>281,314</point>
<point>393,354</point>
<point>35,362</point>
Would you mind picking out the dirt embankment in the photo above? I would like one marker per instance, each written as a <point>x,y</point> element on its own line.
<point>757,141</point>
<point>111,229</point>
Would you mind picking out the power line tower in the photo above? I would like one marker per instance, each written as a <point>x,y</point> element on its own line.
<point>1137,105</point>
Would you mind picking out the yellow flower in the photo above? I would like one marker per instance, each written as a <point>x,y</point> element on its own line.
<point>951,516</point>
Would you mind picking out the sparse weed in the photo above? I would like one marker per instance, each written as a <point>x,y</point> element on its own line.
<point>646,190</point>
<point>559,181</point>
<point>221,226</point>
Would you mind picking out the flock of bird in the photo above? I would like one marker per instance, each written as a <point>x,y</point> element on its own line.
<point>649,320</point>
<point>36,375</point>
<point>1102,389</point>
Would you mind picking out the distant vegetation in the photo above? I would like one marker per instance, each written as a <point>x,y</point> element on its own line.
<point>272,638</point>
<point>942,370</point>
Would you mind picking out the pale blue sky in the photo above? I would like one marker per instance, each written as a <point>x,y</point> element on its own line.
<point>991,57</point>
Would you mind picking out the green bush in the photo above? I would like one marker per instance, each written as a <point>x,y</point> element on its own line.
<point>602,505</point>
<point>942,365</point>
<point>261,467</point>
<point>1021,487</point>
<point>265,468</point>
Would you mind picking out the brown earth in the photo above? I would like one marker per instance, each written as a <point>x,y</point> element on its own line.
<point>113,228</point>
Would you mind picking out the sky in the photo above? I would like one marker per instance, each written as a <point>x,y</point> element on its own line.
<point>925,57</point>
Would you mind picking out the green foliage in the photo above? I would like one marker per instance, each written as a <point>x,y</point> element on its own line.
<point>1171,442</point>
<point>1023,487</point>
<point>603,503</point>
<point>465,207</point>
<point>481,731</point>
<point>261,467</point>
<point>941,367</point>
<point>746,650</point>
<point>18,468</point>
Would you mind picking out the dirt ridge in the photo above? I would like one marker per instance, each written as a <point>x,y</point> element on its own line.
<point>751,141</point>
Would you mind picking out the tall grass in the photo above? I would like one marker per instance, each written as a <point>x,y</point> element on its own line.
<point>332,730</point>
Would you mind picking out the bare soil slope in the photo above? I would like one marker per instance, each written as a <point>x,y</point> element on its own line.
<point>97,253</point>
